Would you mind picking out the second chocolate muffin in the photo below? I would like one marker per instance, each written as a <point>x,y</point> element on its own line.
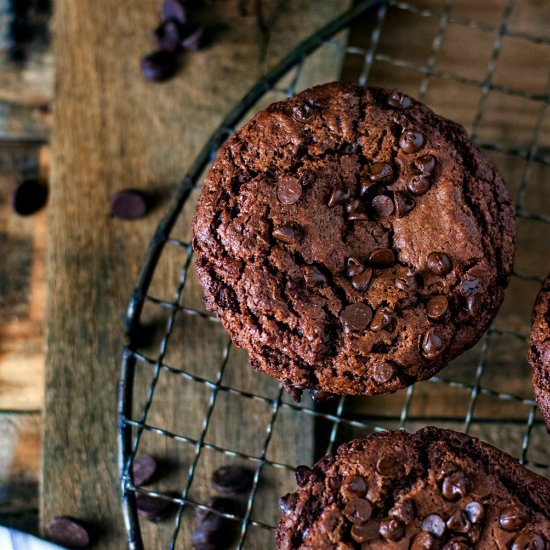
<point>353,241</point>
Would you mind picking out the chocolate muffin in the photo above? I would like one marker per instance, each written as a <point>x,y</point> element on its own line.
<point>432,489</point>
<point>352,241</point>
<point>539,350</point>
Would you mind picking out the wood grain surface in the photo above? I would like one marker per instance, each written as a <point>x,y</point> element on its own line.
<point>113,130</point>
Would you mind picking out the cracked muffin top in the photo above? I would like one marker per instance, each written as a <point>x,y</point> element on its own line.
<point>352,241</point>
<point>435,489</point>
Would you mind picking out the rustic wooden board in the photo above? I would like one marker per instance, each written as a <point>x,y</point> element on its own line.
<point>113,130</point>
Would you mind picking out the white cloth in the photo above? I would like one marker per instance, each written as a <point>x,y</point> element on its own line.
<point>15,540</point>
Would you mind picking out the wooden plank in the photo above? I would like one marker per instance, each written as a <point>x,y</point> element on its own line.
<point>113,130</point>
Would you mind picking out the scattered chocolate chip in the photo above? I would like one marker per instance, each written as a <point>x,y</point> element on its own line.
<point>304,475</point>
<point>458,522</point>
<point>469,288</point>
<point>391,529</point>
<point>29,197</point>
<point>382,206</point>
<point>438,263</point>
<point>322,396</point>
<point>365,532</point>
<point>144,469</point>
<point>419,184</point>
<point>313,276</point>
<point>289,234</point>
<point>425,164</point>
<point>338,196</point>
<point>358,510</point>
<point>434,524</point>
<point>388,465</point>
<point>457,544</point>
<point>382,257</point>
<point>174,9</point>
<point>381,172</point>
<point>232,479</point>
<point>361,281</point>
<point>423,541</point>
<point>437,308</point>
<point>404,203</point>
<point>481,487</point>
<point>399,100</point>
<point>288,502</point>
<point>167,36</point>
<point>193,38</point>
<point>473,303</point>
<point>356,317</point>
<point>158,66</point>
<point>454,486</point>
<point>384,319</point>
<point>68,532</point>
<point>382,373</point>
<point>355,210</point>
<point>475,511</point>
<point>289,190</point>
<point>411,142</point>
<point>354,267</point>
<point>403,511</point>
<point>152,508</point>
<point>128,205</point>
<point>212,530</point>
<point>406,281</point>
<point>303,112</point>
<point>513,519</point>
<point>354,486</point>
<point>528,541</point>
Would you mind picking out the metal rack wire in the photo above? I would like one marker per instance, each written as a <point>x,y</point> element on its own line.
<point>342,418</point>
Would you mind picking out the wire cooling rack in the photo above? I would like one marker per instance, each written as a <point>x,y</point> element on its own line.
<point>485,392</point>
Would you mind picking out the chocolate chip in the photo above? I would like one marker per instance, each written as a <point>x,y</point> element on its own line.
<point>457,544</point>
<point>425,164</point>
<point>432,344</point>
<point>382,206</point>
<point>152,508</point>
<point>423,541</point>
<point>128,205</point>
<point>303,475</point>
<point>68,532</point>
<point>322,396</point>
<point>406,281</point>
<point>338,196</point>
<point>419,184</point>
<point>382,257</point>
<point>528,541</point>
<point>354,486</point>
<point>288,502</point>
<point>193,38</point>
<point>212,530</point>
<point>358,510</point>
<point>362,280</point>
<point>144,469</point>
<point>313,276</point>
<point>404,203</point>
<point>356,317</point>
<point>381,172</point>
<point>382,373</point>
<point>29,197</point>
<point>411,142</point>
<point>458,522</point>
<point>384,319</point>
<point>158,66</point>
<point>391,529</point>
<point>403,511</point>
<point>454,486</point>
<point>174,9</point>
<point>481,487</point>
<point>434,524</point>
<point>307,177</point>
<point>354,267</point>
<point>475,511</point>
<point>289,190</point>
<point>438,263</point>
<point>399,100</point>
<point>388,465</point>
<point>355,210</point>
<point>303,112</point>
<point>513,519</point>
<point>290,233</point>
<point>167,36</point>
<point>469,288</point>
<point>437,308</point>
<point>365,532</point>
<point>232,479</point>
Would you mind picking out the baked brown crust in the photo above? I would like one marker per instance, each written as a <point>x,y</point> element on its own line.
<point>352,241</point>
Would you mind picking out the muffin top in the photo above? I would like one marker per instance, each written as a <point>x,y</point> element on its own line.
<point>352,241</point>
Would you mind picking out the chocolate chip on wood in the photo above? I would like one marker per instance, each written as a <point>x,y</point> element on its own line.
<point>69,532</point>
